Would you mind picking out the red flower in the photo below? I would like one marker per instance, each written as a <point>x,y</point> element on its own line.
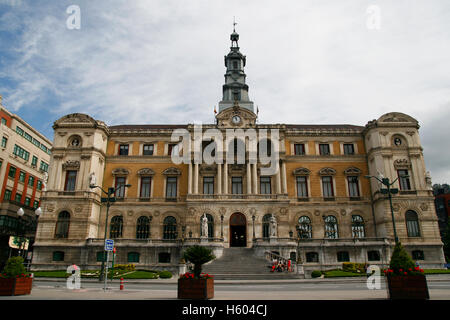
<point>410,269</point>
<point>401,270</point>
<point>406,273</point>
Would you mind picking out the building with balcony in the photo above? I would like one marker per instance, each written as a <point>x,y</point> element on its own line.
<point>24,162</point>
<point>294,190</point>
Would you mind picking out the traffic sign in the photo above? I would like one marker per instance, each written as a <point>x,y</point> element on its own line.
<point>112,199</point>
<point>109,245</point>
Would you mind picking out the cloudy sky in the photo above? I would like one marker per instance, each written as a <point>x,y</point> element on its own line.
<point>308,62</point>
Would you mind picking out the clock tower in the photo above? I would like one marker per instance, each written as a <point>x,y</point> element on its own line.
<point>235,109</point>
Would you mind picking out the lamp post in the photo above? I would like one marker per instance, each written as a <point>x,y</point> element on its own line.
<point>389,191</point>
<point>20,214</point>
<point>109,199</point>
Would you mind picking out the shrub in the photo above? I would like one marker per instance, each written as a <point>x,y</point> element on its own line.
<point>316,274</point>
<point>165,274</point>
<point>125,267</point>
<point>14,268</point>
<point>353,267</point>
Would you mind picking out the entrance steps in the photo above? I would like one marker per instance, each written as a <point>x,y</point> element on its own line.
<point>241,264</point>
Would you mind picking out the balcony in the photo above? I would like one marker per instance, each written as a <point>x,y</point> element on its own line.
<point>215,197</point>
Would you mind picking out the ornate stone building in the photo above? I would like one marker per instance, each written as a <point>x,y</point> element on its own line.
<point>316,208</point>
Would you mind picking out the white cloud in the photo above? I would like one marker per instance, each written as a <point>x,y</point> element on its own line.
<point>307,62</point>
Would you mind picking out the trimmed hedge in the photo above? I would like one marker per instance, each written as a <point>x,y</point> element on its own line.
<point>353,267</point>
<point>165,274</point>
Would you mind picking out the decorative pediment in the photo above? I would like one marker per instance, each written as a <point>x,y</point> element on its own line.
<point>402,164</point>
<point>71,164</point>
<point>172,171</point>
<point>301,172</point>
<point>145,172</point>
<point>120,172</point>
<point>352,171</point>
<point>327,172</point>
<point>206,169</point>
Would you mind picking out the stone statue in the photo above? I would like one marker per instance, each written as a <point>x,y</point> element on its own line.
<point>92,179</point>
<point>273,226</point>
<point>204,226</point>
<point>428,180</point>
<point>45,181</point>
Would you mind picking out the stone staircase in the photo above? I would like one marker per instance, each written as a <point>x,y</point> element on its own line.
<point>241,264</point>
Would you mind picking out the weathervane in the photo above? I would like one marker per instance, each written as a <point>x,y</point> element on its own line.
<point>234,24</point>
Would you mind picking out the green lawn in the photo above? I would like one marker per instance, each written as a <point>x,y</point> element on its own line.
<point>340,273</point>
<point>139,274</point>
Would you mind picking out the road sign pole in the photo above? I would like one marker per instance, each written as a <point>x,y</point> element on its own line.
<point>106,269</point>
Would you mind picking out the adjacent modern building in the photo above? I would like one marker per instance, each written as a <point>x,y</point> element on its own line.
<point>316,208</point>
<point>24,163</point>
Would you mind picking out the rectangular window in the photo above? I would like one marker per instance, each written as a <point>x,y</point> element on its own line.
<point>19,130</point>
<point>12,172</point>
<point>7,195</point>
<point>35,204</point>
<point>208,185</point>
<point>31,181</point>
<point>265,185</point>
<point>44,166</point>
<point>27,201</point>
<point>4,142</point>
<point>171,188</point>
<point>302,187</point>
<point>349,149</point>
<point>4,121</point>
<point>327,186</point>
<point>39,185</point>
<point>18,197</point>
<point>34,161</point>
<point>22,176</point>
<point>44,148</point>
<point>71,178</point>
<point>299,149</point>
<point>236,184</point>
<point>324,149</point>
<point>403,179</point>
<point>145,187</point>
<point>123,150</point>
<point>36,143</point>
<point>20,152</point>
<point>120,187</point>
<point>353,187</point>
<point>27,136</point>
<point>148,150</point>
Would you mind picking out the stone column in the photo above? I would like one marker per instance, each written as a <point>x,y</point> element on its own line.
<point>225,178</point>
<point>196,178</point>
<point>255,178</point>
<point>283,177</point>
<point>249,179</point>
<point>190,178</point>
<point>278,181</point>
<point>219,178</point>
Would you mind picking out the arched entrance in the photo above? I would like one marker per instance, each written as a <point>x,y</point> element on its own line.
<point>238,230</point>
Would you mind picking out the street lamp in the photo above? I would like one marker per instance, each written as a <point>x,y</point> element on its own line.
<point>389,191</point>
<point>110,198</point>
<point>20,213</point>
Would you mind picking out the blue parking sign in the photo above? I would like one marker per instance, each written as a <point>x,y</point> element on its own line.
<point>109,245</point>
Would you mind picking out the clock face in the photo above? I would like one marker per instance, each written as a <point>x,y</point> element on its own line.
<point>236,119</point>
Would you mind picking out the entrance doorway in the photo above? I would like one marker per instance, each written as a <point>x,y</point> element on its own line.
<point>238,230</point>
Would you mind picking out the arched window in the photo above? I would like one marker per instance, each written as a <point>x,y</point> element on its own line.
<point>343,256</point>
<point>210,225</point>
<point>373,255</point>
<point>62,225</point>
<point>304,228</point>
<point>331,227</point>
<point>418,255</point>
<point>143,228</point>
<point>265,225</point>
<point>358,227</point>
<point>116,227</point>
<point>58,256</point>
<point>164,257</point>
<point>412,224</point>
<point>170,228</point>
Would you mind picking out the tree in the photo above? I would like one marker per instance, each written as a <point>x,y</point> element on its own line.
<point>198,255</point>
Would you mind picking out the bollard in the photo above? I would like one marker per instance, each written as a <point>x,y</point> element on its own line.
<point>121,283</point>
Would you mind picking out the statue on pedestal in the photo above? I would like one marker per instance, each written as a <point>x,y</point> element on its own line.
<point>204,226</point>
<point>272,226</point>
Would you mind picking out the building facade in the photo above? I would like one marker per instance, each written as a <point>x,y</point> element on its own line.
<point>316,207</point>
<point>24,161</point>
